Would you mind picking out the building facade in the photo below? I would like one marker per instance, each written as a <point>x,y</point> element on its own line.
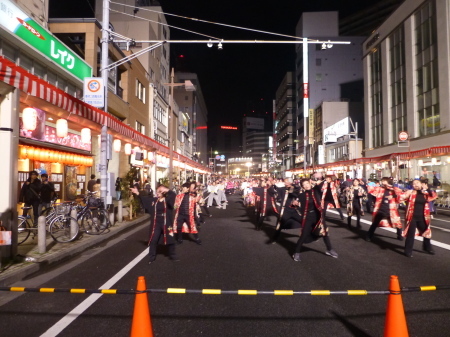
<point>406,71</point>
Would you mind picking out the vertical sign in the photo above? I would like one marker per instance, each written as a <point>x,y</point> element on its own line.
<point>321,149</point>
<point>305,90</point>
<point>94,91</point>
<point>311,126</point>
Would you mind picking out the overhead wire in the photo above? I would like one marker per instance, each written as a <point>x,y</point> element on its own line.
<point>212,22</point>
<point>165,24</point>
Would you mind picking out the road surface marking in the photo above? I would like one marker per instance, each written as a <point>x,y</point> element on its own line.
<point>418,238</point>
<point>83,306</point>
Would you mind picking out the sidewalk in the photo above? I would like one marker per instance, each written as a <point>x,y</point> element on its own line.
<point>57,252</point>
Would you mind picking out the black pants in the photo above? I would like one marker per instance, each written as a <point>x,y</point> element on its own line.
<point>409,242</point>
<point>378,217</point>
<point>159,231</point>
<point>369,203</point>
<point>311,221</point>
<point>35,205</point>
<point>356,211</point>
<point>324,211</point>
<point>182,218</point>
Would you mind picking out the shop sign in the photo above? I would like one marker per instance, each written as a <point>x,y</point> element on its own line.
<point>337,130</point>
<point>321,150</point>
<point>403,136</point>
<point>20,24</point>
<point>94,91</point>
<point>311,126</point>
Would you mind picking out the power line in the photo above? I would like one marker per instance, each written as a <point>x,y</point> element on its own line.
<point>212,22</point>
<point>165,24</point>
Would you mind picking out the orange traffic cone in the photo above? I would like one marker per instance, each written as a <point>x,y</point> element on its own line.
<point>395,325</point>
<point>141,325</point>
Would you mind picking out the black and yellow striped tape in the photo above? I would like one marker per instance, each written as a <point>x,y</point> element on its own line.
<point>220,292</point>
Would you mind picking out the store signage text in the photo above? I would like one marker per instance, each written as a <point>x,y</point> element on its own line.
<point>19,23</point>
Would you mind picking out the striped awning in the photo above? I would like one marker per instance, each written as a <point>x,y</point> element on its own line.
<point>21,79</point>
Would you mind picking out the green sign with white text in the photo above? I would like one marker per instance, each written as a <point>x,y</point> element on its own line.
<point>17,22</point>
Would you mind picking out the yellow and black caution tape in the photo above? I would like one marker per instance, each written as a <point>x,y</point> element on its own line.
<point>220,291</point>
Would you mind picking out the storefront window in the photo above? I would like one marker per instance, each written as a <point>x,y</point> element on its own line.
<point>8,51</point>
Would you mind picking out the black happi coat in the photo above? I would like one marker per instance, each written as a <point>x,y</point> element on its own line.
<point>150,206</point>
<point>290,217</point>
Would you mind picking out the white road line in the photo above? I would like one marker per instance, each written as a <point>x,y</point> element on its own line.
<point>418,238</point>
<point>83,306</point>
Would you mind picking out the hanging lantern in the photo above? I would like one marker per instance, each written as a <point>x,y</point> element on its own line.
<point>117,145</point>
<point>127,149</point>
<point>86,135</point>
<point>367,167</point>
<point>433,161</point>
<point>61,128</point>
<point>420,162</point>
<point>29,119</point>
<point>22,152</point>
<point>151,156</point>
<point>99,140</point>
<point>136,149</point>
<point>144,152</point>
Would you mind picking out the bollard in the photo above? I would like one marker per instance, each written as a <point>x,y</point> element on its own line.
<point>119,211</point>
<point>42,244</point>
<point>73,223</point>
<point>111,217</point>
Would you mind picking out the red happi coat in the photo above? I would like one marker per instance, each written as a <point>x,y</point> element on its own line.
<point>193,200</point>
<point>333,193</point>
<point>378,193</point>
<point>411,200</point>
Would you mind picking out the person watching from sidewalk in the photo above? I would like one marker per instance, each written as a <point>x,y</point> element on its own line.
<point>30,195</point>
<point>91,183</point>
<point>47,193</point>
<point>385,212</point>
<point>312,225</point>
<point>161,220</point>
<point>418,218</point>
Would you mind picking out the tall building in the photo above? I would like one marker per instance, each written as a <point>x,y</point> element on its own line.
<point>327,72</point>
<point>285,121</point>
<point>256,141</point>
<point>406,72</point>
<point>192,105</point>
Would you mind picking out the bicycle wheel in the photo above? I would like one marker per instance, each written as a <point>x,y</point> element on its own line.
<point>23,229</point>
<point>94,222</point>
<point>103,219</point>
<point>62,230</point>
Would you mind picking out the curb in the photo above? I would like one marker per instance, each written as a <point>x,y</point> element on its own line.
<point>20,271</point>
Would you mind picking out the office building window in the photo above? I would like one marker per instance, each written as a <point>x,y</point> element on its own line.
<point>140,91</point>
<point>376,98</point>
<point>428,113</point>
<point>398,81</point>
<point>140,127</point>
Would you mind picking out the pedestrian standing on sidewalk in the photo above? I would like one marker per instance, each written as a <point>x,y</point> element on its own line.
<point>91,183</point>
<point>355,195</point>
<point>385,212</point>
<point>186,213</point>
<point>118,188</point>
<point>418,217</point>
<point>30,195</point>
<point>330,198</point>
<point>47,193</point>
<point>161,220</point>
<point>312,225</point>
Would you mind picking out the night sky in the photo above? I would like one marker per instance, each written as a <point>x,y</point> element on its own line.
<point>241,79</point>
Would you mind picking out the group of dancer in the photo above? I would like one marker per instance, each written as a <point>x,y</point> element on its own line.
<point>172,215</point>
<point>305,205</point>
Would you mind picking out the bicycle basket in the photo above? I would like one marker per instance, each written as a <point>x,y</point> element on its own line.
<point>62,209</point>
<point>95,202</point>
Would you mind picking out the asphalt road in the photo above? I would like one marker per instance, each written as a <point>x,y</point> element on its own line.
<point>234,256</point>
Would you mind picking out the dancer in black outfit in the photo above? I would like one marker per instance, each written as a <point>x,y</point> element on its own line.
<point>161,220</point>
<point>355,195</point>
<point>312,225</point>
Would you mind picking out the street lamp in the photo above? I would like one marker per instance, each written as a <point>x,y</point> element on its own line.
<point>189,87</point>
<point>248,167</point>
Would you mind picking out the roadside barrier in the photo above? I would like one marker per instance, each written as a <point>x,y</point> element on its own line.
<point>395,323</point>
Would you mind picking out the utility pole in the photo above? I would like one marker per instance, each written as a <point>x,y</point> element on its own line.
<point>104,133</point>
<point>171,129</point>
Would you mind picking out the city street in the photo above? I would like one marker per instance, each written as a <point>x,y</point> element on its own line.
<point>235,256</point>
